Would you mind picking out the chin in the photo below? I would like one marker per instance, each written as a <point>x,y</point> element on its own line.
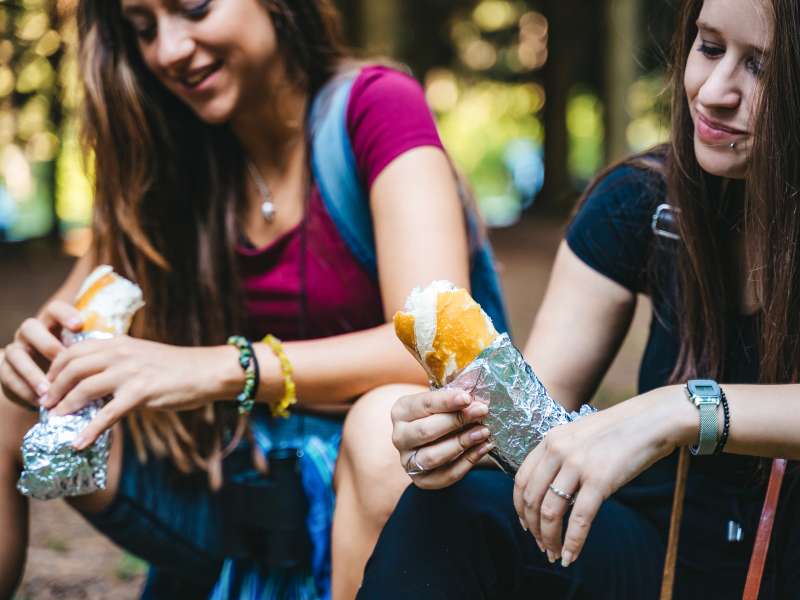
<point>720,162</point>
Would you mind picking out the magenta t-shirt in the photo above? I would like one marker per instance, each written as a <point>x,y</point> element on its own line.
<point>307,284</point>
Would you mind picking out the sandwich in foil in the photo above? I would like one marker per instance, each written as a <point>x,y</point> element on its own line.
<point>457,345</point>
<point>52,468</point>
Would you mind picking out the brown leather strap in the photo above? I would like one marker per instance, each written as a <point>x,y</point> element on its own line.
<point>761,547</point>
<point>668,578</point>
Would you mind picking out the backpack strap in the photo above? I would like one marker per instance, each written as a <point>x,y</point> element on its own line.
<point>336,173</point>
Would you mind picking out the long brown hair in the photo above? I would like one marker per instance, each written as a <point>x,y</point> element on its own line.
<point>169,190</point>
<point>712,211</point>
<point>766,209</point>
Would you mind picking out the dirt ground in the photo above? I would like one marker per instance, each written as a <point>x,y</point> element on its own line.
<point>67,560</point>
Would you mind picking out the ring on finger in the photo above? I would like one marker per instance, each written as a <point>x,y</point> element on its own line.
<point>412,465</point>
<point>562,494</point>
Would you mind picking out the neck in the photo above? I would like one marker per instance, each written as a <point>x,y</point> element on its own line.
<point>270,131</point>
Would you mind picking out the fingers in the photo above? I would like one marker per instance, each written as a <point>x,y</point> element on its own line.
<point>587,504</point>
<point>15,388</point>
<point>110,414</point>
<point>92,388</point>
<point>534,492</point>
<point>22,366</point>
<point>417,406</point>
<point>423,431</point>
<point>74,353</point>
<point>450,448</point>
<point>34,334</point>
<point>552,511</point>
<point>61,314</point>
<point>74,371</point>
<point>455,471</point>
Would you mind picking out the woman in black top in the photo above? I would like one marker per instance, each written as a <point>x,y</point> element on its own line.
<point>725,298</point>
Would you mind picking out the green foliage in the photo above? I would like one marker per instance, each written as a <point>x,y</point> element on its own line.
<point>130,567</point>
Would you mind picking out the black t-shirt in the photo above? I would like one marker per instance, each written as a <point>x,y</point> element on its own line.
<point>612,234</point>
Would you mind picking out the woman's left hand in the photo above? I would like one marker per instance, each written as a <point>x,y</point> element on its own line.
<point>137,373</point>
<point>590,459</point>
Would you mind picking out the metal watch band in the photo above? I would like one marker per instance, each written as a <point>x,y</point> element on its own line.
<point>709,434</point>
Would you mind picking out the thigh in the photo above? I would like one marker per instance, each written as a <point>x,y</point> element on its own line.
<point>466,542</point>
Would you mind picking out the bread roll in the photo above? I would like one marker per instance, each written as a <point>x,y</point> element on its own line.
<point>444,328</point>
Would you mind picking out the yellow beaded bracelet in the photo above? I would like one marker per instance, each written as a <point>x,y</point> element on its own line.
<point>281,409</point>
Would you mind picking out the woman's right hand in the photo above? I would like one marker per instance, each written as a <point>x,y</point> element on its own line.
<point>36,344</point>
<point>439,435</point>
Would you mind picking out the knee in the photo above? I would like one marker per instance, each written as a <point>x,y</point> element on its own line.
<point>369,463</point>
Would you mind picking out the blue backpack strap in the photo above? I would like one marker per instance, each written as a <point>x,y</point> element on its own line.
<point>335,171</point>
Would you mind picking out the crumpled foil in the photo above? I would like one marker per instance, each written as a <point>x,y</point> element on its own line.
<point>52,468</point>
<point>521,412</point>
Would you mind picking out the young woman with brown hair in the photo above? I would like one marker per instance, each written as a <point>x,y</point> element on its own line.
<point>725,289</point>
<point>207,121</point>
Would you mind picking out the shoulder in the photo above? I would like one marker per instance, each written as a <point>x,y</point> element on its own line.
<point>379,83</point>
<point>611,230</point>
<point>627,188</point>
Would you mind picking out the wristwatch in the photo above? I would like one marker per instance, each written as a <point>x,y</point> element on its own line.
<point>705,395</point>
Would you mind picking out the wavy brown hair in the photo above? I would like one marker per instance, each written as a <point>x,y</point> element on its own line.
<point>169,192</point>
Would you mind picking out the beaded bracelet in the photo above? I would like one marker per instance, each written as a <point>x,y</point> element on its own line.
<point>726,424</point>
<point>249,363</point>
<point>281,409</point>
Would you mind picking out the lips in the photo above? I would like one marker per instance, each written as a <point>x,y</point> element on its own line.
<point>194,79</point>
<point>714,132</point>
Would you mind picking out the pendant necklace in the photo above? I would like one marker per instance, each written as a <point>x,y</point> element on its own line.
<point>267,204</point>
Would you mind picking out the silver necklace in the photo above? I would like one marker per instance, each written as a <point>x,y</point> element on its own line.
<point>267,205</point>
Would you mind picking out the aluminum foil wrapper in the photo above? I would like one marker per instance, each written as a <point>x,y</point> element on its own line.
<point>52,468</point>
<point>521,412</point>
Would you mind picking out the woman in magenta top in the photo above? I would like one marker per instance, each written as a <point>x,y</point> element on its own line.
<point>197,116</point>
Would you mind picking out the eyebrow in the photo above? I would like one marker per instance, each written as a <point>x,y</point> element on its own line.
<point>703,26</point>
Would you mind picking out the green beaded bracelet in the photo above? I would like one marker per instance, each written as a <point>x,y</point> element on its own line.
<point>247,360</point>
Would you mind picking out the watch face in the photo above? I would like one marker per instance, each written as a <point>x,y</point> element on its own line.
<point>705,388</point>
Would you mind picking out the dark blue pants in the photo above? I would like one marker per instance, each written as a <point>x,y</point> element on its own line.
<point>465,542</point>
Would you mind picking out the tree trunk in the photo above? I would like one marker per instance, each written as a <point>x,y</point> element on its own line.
<point>622,48</point>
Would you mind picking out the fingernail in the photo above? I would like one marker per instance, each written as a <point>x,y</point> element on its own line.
<point>42,388</point>
<point>486,448</point>
<point>43,400</point>
<point>79,443</point>
<point>481,409</point>
<point>567,558</point>
<point>524,527</point>
<point>538,543</point>
<point>551,557</point>
<point>481,434</point>
<point>464,398</point>
<point>75,322</point>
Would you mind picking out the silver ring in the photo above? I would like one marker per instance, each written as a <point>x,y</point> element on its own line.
<point>562,494</point>
<point>412,465</point>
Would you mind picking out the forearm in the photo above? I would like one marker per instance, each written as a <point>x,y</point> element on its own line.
<point>764,419</point>
<point>326,371</point>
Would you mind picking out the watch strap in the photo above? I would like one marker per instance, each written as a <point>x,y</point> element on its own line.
<point>709,431</point>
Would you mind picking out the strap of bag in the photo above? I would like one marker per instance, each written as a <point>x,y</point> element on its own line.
<point>759,557</point>
<point>335,171</point>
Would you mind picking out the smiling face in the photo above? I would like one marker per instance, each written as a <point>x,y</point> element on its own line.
<point>216,56</point>
<point>721,81</point>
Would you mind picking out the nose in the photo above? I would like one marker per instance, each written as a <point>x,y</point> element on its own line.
<point>174,46</point>
<point>721,88</point>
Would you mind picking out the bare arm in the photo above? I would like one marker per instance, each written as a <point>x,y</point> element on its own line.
<point>578,330</point>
